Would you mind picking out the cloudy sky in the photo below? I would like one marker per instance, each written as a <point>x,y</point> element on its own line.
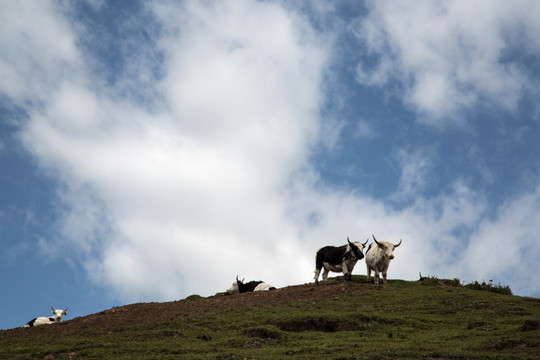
<point>154,150</point>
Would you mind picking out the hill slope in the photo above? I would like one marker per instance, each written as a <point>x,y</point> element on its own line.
<point>342,320</point>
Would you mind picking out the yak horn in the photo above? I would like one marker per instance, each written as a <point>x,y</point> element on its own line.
<point>364,244</point>
<point>399,243</point>
<point>378,243</point>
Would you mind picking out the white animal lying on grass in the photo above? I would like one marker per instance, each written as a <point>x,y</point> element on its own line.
<point>240,287</point>
<point>43,320</point>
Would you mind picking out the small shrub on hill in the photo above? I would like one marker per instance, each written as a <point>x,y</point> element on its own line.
<point>483,286</point>
<point>496,288</point>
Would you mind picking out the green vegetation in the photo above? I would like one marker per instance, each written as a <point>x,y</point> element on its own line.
<point>425,319</point>
<point>498,288</point>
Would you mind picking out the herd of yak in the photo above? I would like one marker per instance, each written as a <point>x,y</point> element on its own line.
<point>341,259</point>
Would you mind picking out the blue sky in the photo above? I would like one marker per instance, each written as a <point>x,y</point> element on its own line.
<point>153,150</point>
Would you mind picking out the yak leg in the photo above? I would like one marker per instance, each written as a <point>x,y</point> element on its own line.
<point>317,272</point>
<point>384,271</point>
<point>368,273</point>
<point>346,272</point>
<point>325,275</point>
<point>376,276</point>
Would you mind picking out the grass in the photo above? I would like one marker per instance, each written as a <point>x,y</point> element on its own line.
<point>400,320</point>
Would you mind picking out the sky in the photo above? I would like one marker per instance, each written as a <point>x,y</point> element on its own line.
<point>154,150</point>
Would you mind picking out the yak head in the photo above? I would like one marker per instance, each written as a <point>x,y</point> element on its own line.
<point>386,248</point>
<point>235,287</point>
<point>58,314</point>
<point>356,248</point>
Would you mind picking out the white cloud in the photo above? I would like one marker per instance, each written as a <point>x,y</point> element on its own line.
<point>38,49</point>
<point>449,56</point>
<point>506,245</point>
<point>188,190</point>
<point>180,199</point>
<point>414,172</point>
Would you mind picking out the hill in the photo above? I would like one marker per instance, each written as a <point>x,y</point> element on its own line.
<point>341,320</point>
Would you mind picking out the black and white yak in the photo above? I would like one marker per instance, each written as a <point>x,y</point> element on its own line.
<point>338,259</point>
<point>240,287</point>
<point>44,320</point>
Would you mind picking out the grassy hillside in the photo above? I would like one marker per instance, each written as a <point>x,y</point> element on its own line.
<point>342,320</point>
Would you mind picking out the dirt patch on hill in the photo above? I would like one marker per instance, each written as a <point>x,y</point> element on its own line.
<point>146,313</point>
